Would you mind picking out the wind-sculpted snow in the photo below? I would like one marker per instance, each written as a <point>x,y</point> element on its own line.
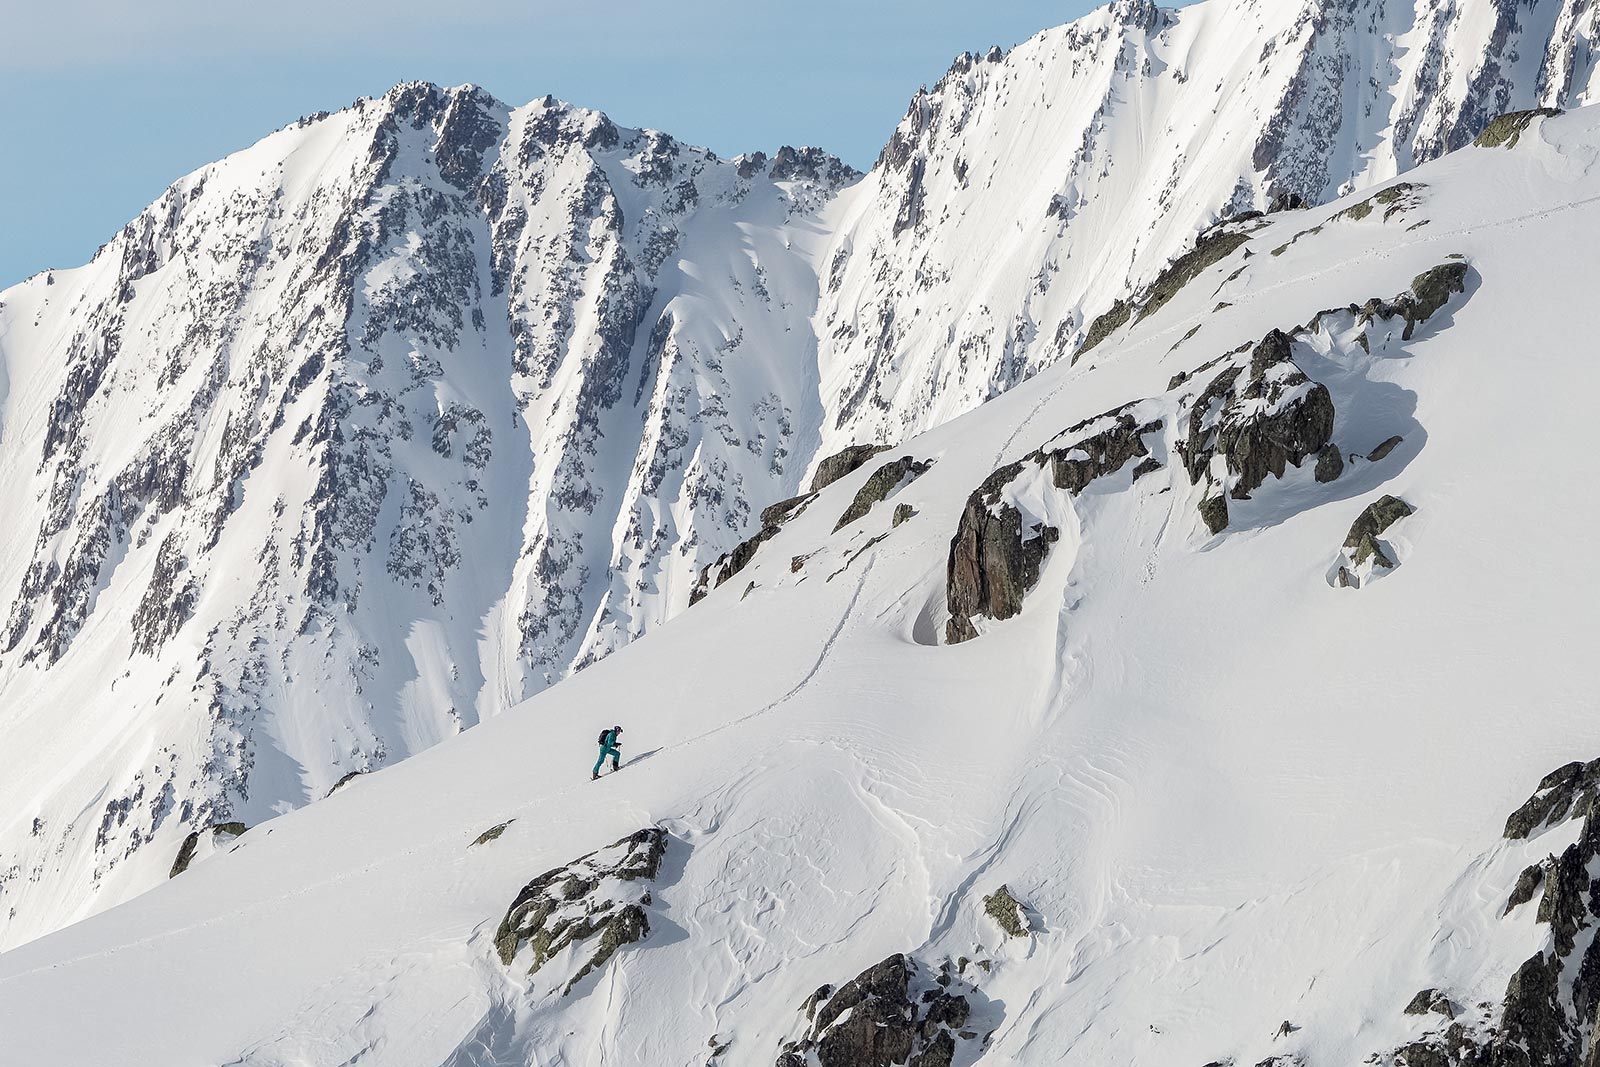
<point>411,410</point>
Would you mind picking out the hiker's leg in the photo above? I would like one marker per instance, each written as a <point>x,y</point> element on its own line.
<point>601,760</point>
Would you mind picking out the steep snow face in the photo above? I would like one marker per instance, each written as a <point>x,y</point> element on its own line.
<point>360,436</point>
<point>1229,792</point>
<point>1026,192</point>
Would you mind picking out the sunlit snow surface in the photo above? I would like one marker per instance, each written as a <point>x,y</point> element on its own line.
<point>372,431</point>
<point>1233,794</point>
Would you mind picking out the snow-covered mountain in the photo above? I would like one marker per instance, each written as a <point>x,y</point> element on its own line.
<point>373,430</point>
<point>1218,699</point>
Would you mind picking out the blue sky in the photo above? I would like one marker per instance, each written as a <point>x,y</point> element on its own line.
<point>104,102</point>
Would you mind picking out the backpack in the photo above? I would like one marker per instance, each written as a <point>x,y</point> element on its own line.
<point>605,735</point>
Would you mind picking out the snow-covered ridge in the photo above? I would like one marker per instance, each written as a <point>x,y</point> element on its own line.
<point>371,431</point>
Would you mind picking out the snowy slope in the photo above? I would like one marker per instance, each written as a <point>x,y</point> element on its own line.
<point>360,436</point>
<point>1232,793</point>
<point>365,434</point>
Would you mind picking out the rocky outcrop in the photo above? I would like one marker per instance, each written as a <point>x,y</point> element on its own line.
<point>492,833</point>
<point>1565,793</point>
<point>994,560</point>
<point>884,481</point>
<point>344,780</point>
<point>1276,417</point>
<point>1504,130</point>
<point>1364,551</point>
<point>1375,518</point>
<point>1382,451</point>
<point>1279,417</point>
<point>1211,247</point>
<point>595,905</point>
<point>995,555</point>
<point>1008,912</point>
<point>1552,1002</point>
<point>731,563</point>
<point>841,463</point>
<point>896,1013</point>
<point>1431,1001</point>
<point>220,834</point>
<point>1330,463</point>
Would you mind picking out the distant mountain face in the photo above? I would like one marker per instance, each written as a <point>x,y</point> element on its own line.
<point>406,412</point>
<point>1025,193</point>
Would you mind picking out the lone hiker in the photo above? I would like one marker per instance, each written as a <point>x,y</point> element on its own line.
<point>610,745</point>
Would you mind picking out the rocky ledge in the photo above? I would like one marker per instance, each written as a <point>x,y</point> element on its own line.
<point>593,905</point>
<point>897,1013</point>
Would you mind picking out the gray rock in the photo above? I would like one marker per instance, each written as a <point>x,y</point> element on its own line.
<point>580,903</point>
<point>191,844</point>
<point>1505,130</point>
<point>1384,449</point>
<point>1431,1001</point>
<point>1565,793</point>
<point>1007,912</point>
<point>1377,517</point>
<point>882,1018</point>
<point>1330,463</point>
<point>993,561</point>
<point>883,481</point>
<point>841,463</point>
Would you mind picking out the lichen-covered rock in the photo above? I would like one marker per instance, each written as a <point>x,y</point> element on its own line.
<point>902,513</point>
<point>1394,199</point>
<point>1377,517</point>
<point>492,833</point>
<point>1432,290</point>
<point>1431,1001</point>
<point>1504,130</point>
<point>1211,248</point>
<point>885,480</point>
<point>596,901</point>
<point>1369,549</point>
<point>897,1013</point>
<point>1075,465</point>
<point>841,463</point>
<point>1259,419</point>
<point>1104,326</point>
<point>1007,912</point>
